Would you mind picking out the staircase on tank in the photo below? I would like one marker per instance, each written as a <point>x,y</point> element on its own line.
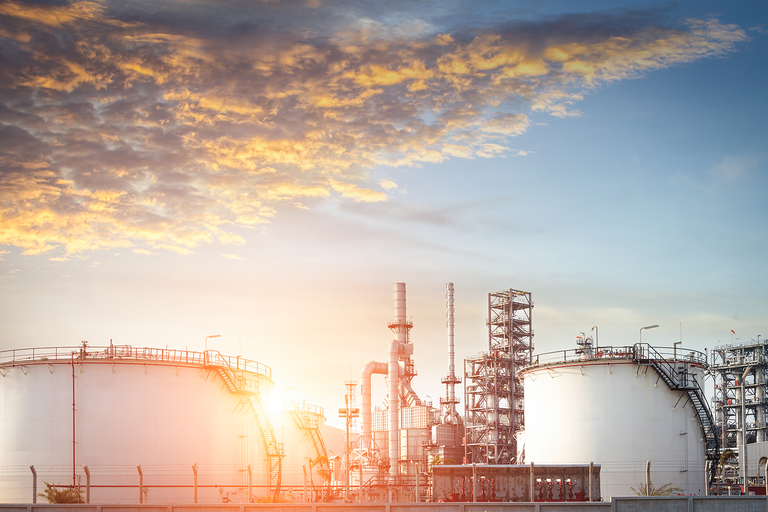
<point>645,354</point>
<point>239,384</point>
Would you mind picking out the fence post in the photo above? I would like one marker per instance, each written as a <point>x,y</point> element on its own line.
<point>34,484</point>
<point>141,485</point>
<point>532,483</point>
<point>194,482</point>
<point>87,484</point>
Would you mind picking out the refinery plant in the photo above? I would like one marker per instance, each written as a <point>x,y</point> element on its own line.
<point>145,425</point>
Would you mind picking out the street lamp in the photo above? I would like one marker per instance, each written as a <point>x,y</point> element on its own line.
<point>646,327</point>
<point>211,336</point>
<point>594,328</point>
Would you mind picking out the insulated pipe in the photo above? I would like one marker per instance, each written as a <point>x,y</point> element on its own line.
<point>365,398</point>
<point>393,378</point>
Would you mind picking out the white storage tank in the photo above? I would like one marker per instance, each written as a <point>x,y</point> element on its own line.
<point>620,407</point>
<point>136,417</point>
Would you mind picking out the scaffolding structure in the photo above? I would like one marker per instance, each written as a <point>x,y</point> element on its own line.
<point>740,404</point>
<point>493,391</point>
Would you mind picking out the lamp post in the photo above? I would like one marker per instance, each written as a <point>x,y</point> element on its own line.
<point>205,354</point>
<point>594,328</point>
<point>646,327</point>
<point>211,336</point>
<point>348,413</point>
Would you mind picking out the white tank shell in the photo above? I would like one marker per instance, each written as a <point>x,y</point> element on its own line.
<point>160,415</point>
<point>618,414</point>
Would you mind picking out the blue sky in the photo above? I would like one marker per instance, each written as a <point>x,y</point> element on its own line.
<point>267,171</point>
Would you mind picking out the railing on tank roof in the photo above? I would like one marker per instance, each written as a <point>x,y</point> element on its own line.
<point>290,405</point>
<point>634,352</point>
<point>127,352</point>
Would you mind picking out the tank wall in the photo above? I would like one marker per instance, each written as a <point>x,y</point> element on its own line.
<point>619,416</point>
<point>163,418</point>
<point>298,449</point>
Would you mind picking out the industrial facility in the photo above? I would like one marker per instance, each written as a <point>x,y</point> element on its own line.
<point>740,408</point>
<point>145,425</point>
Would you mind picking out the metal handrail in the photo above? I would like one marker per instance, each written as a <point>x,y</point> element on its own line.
<point>127,352</point>
<point>290,405</point>
<point>636,351</point>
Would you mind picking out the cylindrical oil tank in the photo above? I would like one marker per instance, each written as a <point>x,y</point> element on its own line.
<point>298,426</point>
<point>616,409</point>
<point>151,425</point>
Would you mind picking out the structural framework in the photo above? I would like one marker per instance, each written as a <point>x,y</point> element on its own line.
<point>740,404</point>
<point>494,397</point>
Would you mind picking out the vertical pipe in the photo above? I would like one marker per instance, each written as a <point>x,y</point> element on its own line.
<point>393,377</point>
<point>591,465</point>
<point>365,398</point>
<point>87,484</point>
<point>141,485</point>
<point>360,491</point>
<point>531,483</point>
<point>34,484</point>
<point>418,498</point>
<point>474,482</point>
<point>194,482</point>
<point>250,484</point>
<point>706,478</point>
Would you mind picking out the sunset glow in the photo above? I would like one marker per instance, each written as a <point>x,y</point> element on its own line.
<point>268,169</point>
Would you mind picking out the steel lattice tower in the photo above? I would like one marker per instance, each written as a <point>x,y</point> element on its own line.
<point>740,404</point>
<point>493,392</point>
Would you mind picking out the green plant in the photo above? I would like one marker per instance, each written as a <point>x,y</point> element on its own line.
<point>66,495</point>
<point>664,490</point>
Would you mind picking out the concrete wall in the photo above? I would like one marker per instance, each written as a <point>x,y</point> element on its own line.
<point>512,483</point>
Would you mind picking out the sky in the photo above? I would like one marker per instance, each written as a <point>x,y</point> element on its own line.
<point>266,171</point>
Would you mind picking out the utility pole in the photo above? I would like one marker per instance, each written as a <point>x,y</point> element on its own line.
<point>349,412</point>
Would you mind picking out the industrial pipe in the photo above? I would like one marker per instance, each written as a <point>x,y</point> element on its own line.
<point>393,378</point>
<point>365,398</point>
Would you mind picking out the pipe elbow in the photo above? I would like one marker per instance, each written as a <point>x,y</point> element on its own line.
<point>373,367</point>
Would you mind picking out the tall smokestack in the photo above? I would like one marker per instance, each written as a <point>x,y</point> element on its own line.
<point>449,402</point>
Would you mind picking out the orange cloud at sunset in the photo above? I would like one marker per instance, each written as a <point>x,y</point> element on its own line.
<point>134,131</point>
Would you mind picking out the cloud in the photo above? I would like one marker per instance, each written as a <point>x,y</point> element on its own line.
<point>387,184</point>
<point>122,127</point>
<point>735,168</point>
